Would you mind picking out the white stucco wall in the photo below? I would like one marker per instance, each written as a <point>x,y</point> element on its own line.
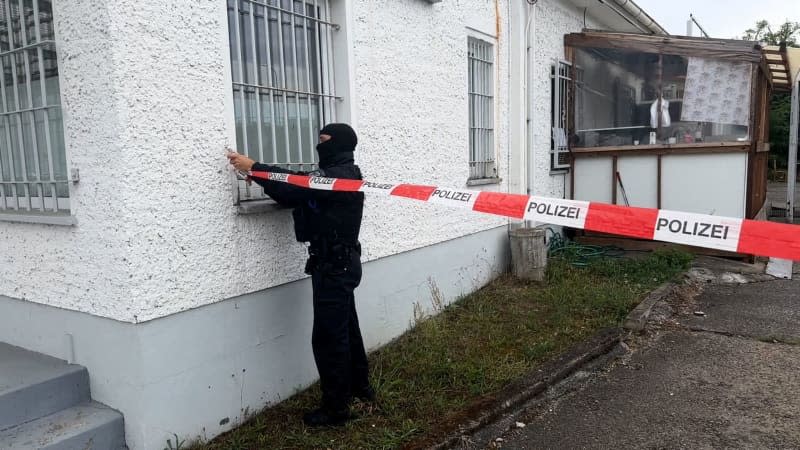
<point>411,85</point>
<point>80,267</point>
<point>553,20</point>
<point>146,95</point>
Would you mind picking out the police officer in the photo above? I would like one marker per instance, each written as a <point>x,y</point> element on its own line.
<point>330,222</point>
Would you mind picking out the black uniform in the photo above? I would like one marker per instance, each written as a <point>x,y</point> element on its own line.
<point>330,222</point>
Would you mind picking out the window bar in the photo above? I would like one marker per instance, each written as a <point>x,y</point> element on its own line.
<point>487,156</point>
<point>242,93</point>
<point>256,93</point>
<point>490,140</point>
<point>482,110</point>
<point>287,145</point>
<point>475,115</point>
<point>278,8</point>
<point>476,125</point>
<point>306,29</point>
<point>15,81</point>
<point>473,107</point>
<point>242,99</point>
<point>29,90</point>
<point>486,121</point>
<point>479,99</point>
<point>250,85</point>
<point>470,101</point>
<point>482,99</point>
<point>487,50</point>
<point>270,84</point>
<point>475,136</point>
<point>297,86</point>
<point>320,69</point>
<point>556,113</point>
<point>493,90</point>
<point>490,113</point>
<point>26,47</point>
<point>25,110</point>
<point>477,104</point>
<point>7,130</point>
<point>331,79</point>
<point>43,88</point>
<point>565,119</point>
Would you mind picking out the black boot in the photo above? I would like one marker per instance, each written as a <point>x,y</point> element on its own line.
<point>324,417</point>
<point>365,394</point>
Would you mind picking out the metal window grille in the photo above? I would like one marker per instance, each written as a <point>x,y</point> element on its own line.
<point>283,85</point>
<point>559,143</point>
<point>33,169</point>
<point>481,109</point>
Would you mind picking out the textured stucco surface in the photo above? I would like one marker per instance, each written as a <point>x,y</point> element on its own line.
<point>144,88</point>
<point>146,98</point>
<point>411,85</point>
<point>80,267</point>
<point>187,372</point>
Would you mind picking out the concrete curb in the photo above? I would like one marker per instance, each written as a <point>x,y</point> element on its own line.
<point>534,384</point>
<point>637,318</point>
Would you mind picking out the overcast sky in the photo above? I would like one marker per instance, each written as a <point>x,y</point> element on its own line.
<point>720,18</point>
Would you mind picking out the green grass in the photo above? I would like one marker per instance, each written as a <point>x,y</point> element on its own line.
<point>469,351</point>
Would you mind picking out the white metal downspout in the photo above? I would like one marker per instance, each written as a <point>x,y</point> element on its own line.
<point>530,56</point>
<point>509,114</point>
<point>794,129</point>
<point>530,31</point>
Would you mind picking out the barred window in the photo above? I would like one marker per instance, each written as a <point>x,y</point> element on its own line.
<point>481,109</point>
<point>283,86</point>
<point>560,84</point>
<point>33,170</point>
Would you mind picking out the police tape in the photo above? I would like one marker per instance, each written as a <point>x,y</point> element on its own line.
<point>753,237</point>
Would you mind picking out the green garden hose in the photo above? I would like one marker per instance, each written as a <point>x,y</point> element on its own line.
<point>579,255</point>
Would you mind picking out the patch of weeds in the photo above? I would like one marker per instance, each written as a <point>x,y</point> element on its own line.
<point>178,443</point>
<point>778,340</point>
<point>467,352</point>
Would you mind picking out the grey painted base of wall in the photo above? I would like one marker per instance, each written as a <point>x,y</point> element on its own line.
<point>201,372</point>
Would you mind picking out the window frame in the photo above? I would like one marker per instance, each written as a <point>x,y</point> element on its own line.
<point>283,93</point>
<point>45,196</point>
<point>560,83</point>
<point>737,51</point>
<point>482,163</point>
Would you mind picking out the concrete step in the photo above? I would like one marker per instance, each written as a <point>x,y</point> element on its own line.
<point>90,425</point>
<point>33,385</point>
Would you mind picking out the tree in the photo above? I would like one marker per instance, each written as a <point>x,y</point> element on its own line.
<point>779,108</point>
<point>779,117</point>
<point>762,32</point>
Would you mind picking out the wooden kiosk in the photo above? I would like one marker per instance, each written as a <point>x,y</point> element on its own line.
<point>668,122</point>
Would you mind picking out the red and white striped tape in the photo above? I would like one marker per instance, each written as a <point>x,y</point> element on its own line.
<point>752,237</point>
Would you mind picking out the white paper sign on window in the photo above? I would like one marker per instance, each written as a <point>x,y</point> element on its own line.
<point>717,91</point>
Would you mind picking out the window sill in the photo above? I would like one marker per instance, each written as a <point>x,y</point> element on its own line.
<point>258,207</point>
<point>696,147</point>
<point>484,181</point>
<point>42,218</point>
<point>554,172</point>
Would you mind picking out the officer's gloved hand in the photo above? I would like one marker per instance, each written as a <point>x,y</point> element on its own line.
<point>240,162</point>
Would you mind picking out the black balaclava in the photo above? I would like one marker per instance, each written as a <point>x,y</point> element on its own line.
<point>338,150</point>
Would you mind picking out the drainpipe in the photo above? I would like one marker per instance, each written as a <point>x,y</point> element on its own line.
<point>793,149</point>
<point>643,21</point>
<point>530,31</point>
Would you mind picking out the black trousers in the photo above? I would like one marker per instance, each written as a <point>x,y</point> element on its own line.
<point>336,338</point>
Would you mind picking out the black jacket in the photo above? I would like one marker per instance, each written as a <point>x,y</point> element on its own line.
<point>321,217</point>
